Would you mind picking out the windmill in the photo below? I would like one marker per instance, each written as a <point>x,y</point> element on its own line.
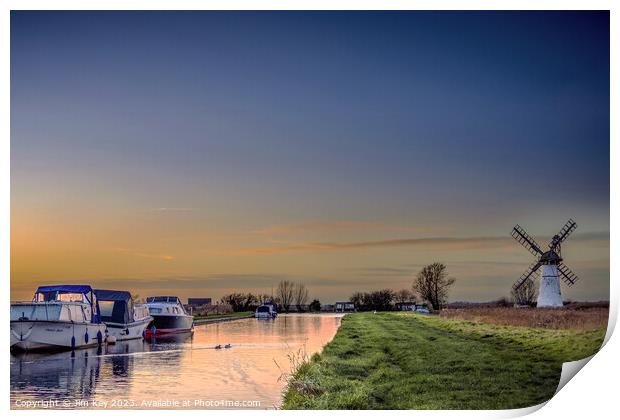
<point>553,268</point>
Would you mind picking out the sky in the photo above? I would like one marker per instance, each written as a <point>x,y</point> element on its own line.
<point>201,153</point>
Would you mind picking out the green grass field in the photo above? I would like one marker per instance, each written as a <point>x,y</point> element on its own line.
<point>409,361</point>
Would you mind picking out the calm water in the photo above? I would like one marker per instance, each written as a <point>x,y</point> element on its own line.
<point>180,372</point>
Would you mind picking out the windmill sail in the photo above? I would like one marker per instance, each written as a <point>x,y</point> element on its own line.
<point>525,276</point>
<point>566,230</point>
<point>526,240</point>
<point>567,275</point>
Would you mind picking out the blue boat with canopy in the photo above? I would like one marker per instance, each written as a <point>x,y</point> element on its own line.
<point>61,316</point>
<point>125,319</point>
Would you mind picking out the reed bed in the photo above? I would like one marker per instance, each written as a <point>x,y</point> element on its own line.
<point>570,317</point>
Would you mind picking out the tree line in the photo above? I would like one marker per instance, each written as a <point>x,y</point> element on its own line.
<point>431,285</point>
<point>288,294</point>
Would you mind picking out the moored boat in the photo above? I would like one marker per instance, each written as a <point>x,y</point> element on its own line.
<point>169,316</point>
<point>65,316</point>
<point>125,319</point>
<point>266,311</point>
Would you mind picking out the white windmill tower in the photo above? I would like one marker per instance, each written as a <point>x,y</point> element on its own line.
<point>549,294</point>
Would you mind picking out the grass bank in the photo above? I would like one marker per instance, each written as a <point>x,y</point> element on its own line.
<point>214,317</point>
<point>410,361</point>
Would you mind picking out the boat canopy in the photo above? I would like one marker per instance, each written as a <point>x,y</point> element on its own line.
<point>116,306</point>
<point>115,295</point>
<point>50,293</point>
<point>65,289</point>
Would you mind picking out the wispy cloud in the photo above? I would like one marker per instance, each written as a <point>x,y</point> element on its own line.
<point>173,209</point>
<point>452,243</point>
<point>341,226</point>
<point>141,254</point>
<point>230,281</point>
<point>444,243</point>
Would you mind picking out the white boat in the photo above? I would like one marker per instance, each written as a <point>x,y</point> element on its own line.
<point>124,319</point>
<point>266,311</point>
<point>169,316</point>
<point>58,317</point>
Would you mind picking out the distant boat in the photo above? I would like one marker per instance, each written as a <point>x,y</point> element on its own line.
<point>64,316</point>
<point>266,311</point>
<point>169,316</point>
<point>125,319</point>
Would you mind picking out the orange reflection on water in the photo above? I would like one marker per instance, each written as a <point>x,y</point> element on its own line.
<point>185,369</point>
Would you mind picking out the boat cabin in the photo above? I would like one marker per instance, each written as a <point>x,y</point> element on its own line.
<point>165,305</point>
<point>116,306</point>
<point>406,306</point>
<point>345,307</point>
<point>65,302</point>
<point>51,311</point>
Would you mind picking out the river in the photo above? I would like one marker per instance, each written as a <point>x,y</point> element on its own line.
<point>184,371</point>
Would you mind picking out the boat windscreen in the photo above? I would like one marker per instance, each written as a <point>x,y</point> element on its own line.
<point>162,299</point>
<point>263,309</point>
<point>59,296</point>
<point>34,312</point>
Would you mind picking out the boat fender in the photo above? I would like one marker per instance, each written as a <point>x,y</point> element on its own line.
<point>99,337</point>
<point>127,331</point>
<point>86,337</point>
<point>73,342</point>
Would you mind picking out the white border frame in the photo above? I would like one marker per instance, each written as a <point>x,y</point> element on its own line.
<point>590,395</point>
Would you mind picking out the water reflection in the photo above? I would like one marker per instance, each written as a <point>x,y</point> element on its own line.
<point>182,367</point>
<point>64,375</point>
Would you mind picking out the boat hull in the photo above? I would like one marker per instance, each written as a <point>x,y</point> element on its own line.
<point>265,315</point>
<point>129,331</point>
<point>42,335</point>
<point>170,324</point>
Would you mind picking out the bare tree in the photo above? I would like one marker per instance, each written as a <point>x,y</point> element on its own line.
<point>404,295</point>
<point>285,294</point>
<point>526,294</point>
<point>432,284</point>
<point>264,297</point>
<point>300,295</point>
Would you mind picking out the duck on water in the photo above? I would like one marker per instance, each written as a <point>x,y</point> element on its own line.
<point>58,317</point>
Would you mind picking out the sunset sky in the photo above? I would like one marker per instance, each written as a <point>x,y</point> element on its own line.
<point>199,153</point>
